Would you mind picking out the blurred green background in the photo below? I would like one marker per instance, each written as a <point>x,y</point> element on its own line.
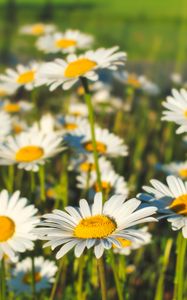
<point>149,30</point>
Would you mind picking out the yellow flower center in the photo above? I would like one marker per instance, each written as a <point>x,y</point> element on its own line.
<point>65,43</point>
<point>38,29</point>
<point>7,228</point>
<point>124,243</point>
<point>29,153</point>
<point>3,92</point>
<point>86,167</point>
<point>12,107</point>
<point>26,77</point>
<point>183,172</point>
<point>185,113</point>
<point>133,80</point>
<point>70,126</point>
<point>101,148</point>
<point>79,67</point>
<point>17,128</point>
<point>105,186</point>
<point>27,278</point>
<point>95,227</point>
<point>179,205</point>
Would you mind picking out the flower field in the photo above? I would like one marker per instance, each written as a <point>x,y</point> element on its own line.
<point>93,122</point>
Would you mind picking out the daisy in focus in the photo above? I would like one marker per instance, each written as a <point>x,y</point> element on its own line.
<point>176,106</point>
<point>170,199</point>
<point>67,72</point>
<point>99,225</point>
<point>127,246</point>
<point>37,29</point>
<point>17,220</point>
<point>66,42</point>
<point>21,76</point>
<point>29,150</point>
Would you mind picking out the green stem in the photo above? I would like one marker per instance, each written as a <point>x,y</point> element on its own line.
<point>11,178</point>
<point>54,288</point>
<point>80,278</point>
<point>101,271</point>
<point>3,280</point>
<point>92,128</point>
<point>42,182</point>
<point>182,253</point>
<point>116,278</point>
<point>165,261</point>
<point>32,181</point>
<point>33,278</point>
<point>179,271</point>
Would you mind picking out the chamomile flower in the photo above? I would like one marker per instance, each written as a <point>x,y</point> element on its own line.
<point>170,199</point>
<point>18,125</point>
<point>6,89</point>
<point>21,280</point>
<point>66,42</point>
<point>72,124</point>
<point>107,143</point>
<point>175,168</point>
<point>127,246</point>
<point>99,226</point>
<point>78,109</point>
<point>5,125</point>
<point>30,149</point>
<point>85,164</point>
<point>17,220</point>
<point>37,29</point>
<point>176,106</point>
<point>47,124</point>
<point>15,107</point>
<point>111,182</point>
<point>21,76</point>
<point>67,72</point>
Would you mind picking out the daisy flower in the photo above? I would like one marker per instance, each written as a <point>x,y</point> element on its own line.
<point>21,76</point>
<point>67,72</point>
<point>78,110</point>
<point>72,124</point>
<point>175,168</point>
<point>107,143</point>
<point>127,246</point>
<point>111,182</point>
<point>15,107</point>
<point>17,220</point>
<point>30,149</point>
<point>18,125</point>
<point>6,89</point>
<point>21,280</point>
<point>170,199</point>
<point>5,125</point>
<point>99,226</point>
<point>66,42</point>
<point>47,124</point>
<point>86,163</point>
<point>37,29</point>
<point>176,106</point>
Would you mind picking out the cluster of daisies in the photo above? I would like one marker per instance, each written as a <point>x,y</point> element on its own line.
<point>93,223</point>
